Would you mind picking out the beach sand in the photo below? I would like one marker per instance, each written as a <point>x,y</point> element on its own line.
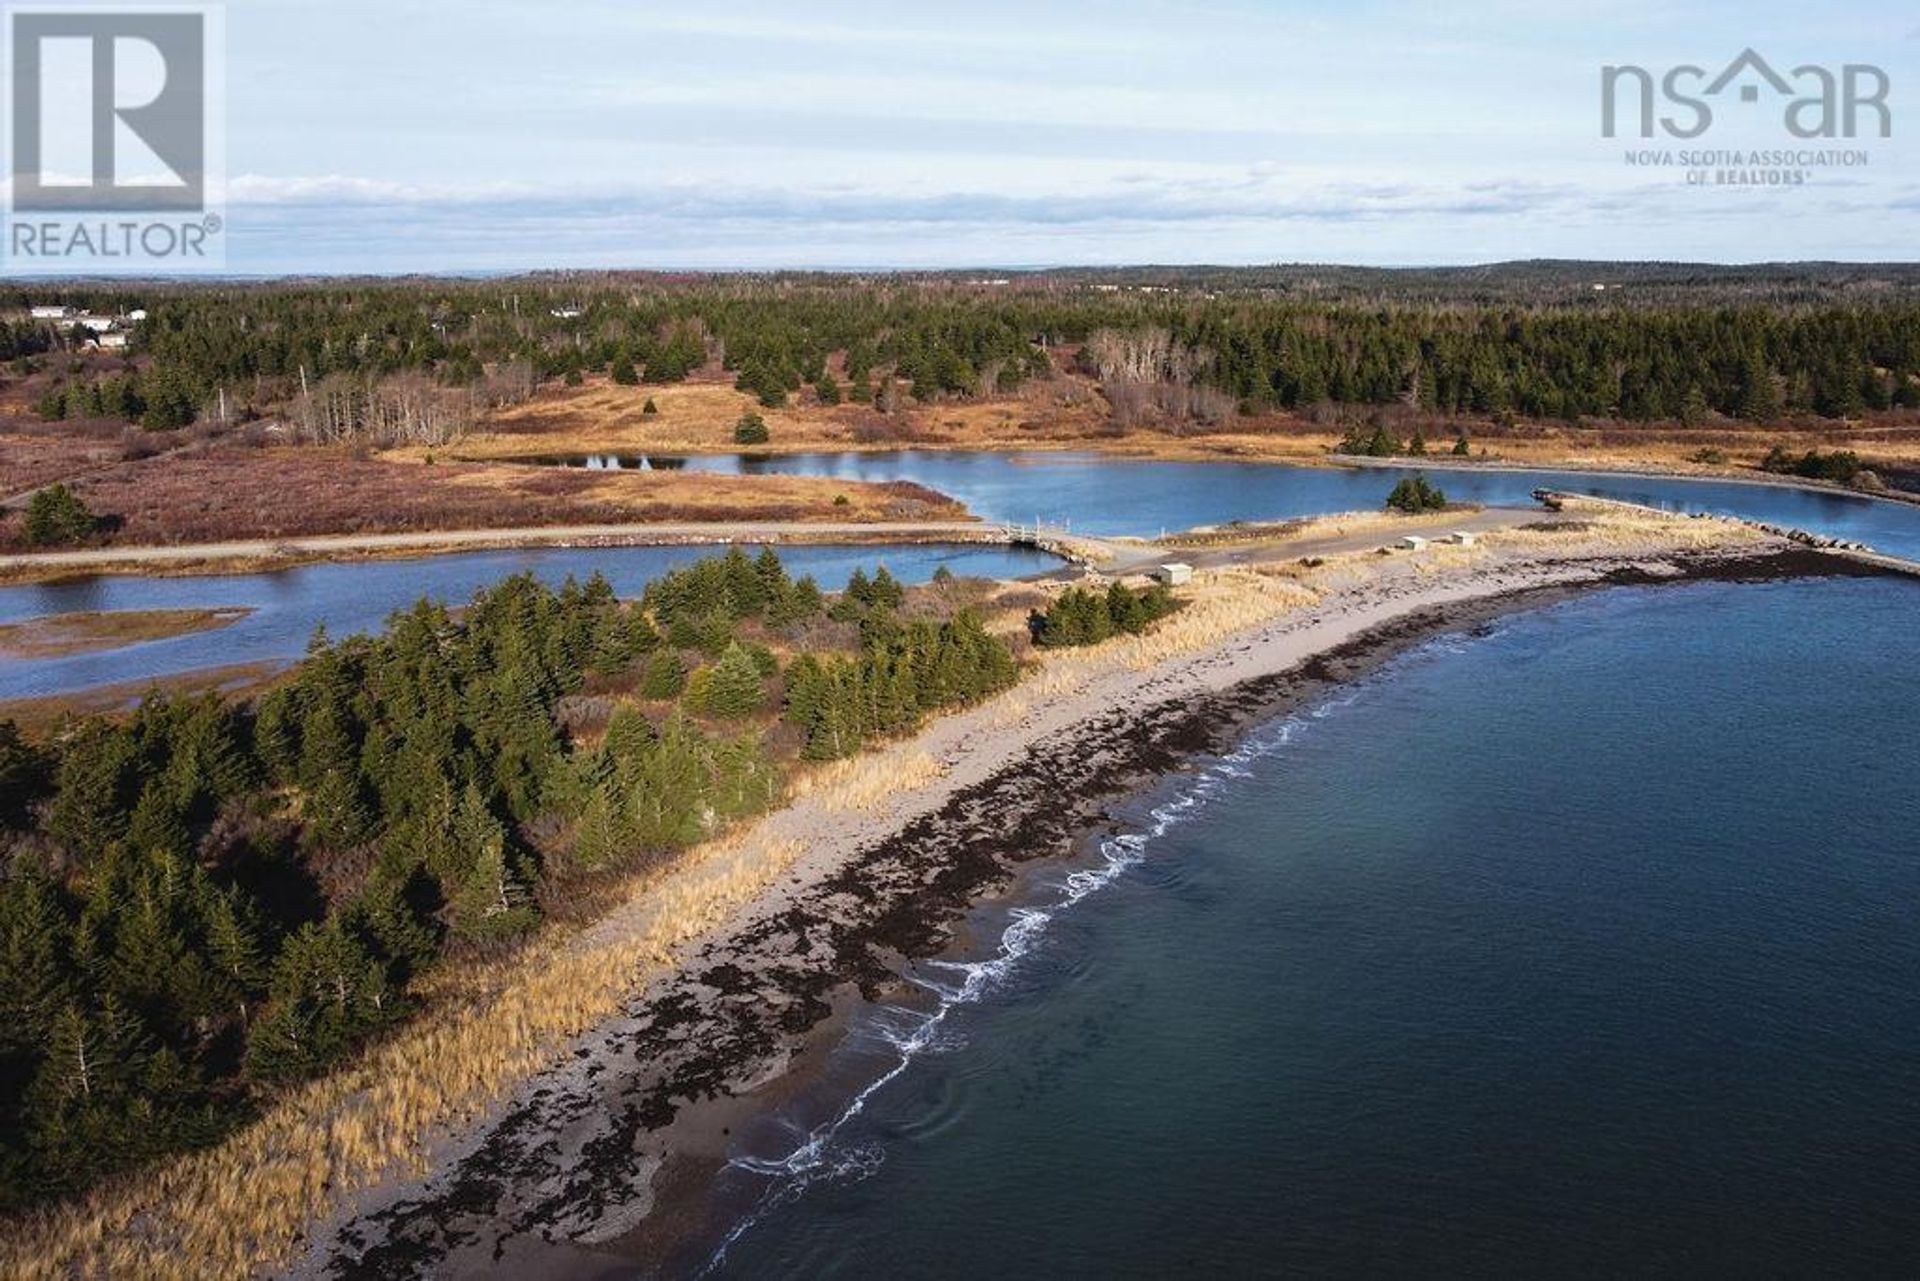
<point>601,1165</point>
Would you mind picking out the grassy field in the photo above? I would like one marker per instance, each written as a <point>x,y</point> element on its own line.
<point>30,458</point>
<point>233,493</point>
<point>698,417</point>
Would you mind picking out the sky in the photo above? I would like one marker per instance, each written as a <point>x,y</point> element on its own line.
<point>399,135</point>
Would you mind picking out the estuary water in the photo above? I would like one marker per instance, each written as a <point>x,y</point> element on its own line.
<point>1589,944</point>
<point>1091,493</point>
<point>358,596</point>
<point>1101,494</point>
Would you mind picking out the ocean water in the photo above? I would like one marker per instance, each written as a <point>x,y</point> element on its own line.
<point>1588,945</point>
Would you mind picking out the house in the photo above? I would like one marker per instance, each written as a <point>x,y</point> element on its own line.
<point>51,313</point>
<point>98,324</point>
<point>111,341</point>
<point>567,313</point>
<point>1173,573</point>
<point>137,315</point>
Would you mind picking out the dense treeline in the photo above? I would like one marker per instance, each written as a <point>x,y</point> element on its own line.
<point>207,900</point>
<point>1736,352</point>
<point>1081,617</point>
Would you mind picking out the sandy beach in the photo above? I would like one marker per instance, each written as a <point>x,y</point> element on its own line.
<point>601,1164</point>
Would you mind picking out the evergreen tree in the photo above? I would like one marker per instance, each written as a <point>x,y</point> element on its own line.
<point>96,785</point>
<point>56,516</point>
<point>734,688</point>
<point>25,774</point>
<point>885,590</point>
<point>1414,495</point>
<point>35,981</point>
<point>326,995</point>
<point>665,676</point>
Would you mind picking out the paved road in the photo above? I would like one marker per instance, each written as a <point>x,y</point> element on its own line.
<point>625,535</point>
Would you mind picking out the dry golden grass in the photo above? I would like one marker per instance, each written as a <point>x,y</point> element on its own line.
<point>1219,603</point>
<point>1677,450</point>
<point>698,417</point>
<point>1066,411</point>
<point>240,1208</point>
<point>863,783</point>
<point>1611,527</point>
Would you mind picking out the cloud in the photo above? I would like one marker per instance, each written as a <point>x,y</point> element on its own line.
<point>1135,200</point>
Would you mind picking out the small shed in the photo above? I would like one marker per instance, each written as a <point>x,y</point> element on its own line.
<point>1173,573</point>
<point>1413,542</point>
<point>1463,538</point>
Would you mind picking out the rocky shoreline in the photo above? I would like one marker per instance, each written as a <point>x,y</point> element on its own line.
<point>603,1166</point>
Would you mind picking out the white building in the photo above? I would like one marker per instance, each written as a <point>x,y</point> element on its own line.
<point>50,313</point>
<point>98,324</point>
<point>1413,542</point>
<point>1463,538</point>
<point>1173,573</point>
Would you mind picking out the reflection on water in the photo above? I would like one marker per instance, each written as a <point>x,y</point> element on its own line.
<point>1097,494</point>
<point>356,597</point>
<point>1090,493</point>
<point>606,462</point>
<point>1470,976</point>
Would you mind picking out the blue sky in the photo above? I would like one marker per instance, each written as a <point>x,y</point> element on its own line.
<point>402,135</point>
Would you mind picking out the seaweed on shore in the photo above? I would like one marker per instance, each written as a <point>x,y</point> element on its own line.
<point>567,1159</point>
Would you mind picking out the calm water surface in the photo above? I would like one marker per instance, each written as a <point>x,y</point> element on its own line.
<point>1587,946</point>
<point>358,597</point>
<point>1089,492</point>
<point>1097,494</point>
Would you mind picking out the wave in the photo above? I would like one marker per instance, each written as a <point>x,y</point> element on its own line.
<point>820,1157</point>
<point>911,1033</point>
